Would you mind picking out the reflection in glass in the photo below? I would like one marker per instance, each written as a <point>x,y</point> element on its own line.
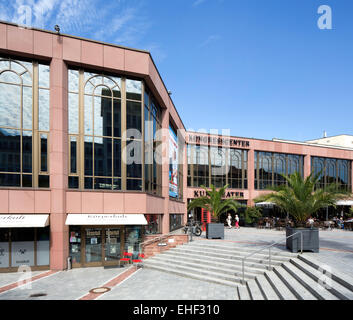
<point>133,237</point>
<point>27,181</point>
<point>73,113</point>
<point>73,155</point>
<point>103,157</point>
<point>10,105</point>
<point>102,116</point>
<point>93,247</point>
<point>10,180</point>
<point>27,108</point>
<point>75,244</point>
<point>44,73</point>
<point>73,80</point>
<point>73,182</point>
<point>10,142</point>
<point>43,181</point>
<point>117,158</point>
<point>88,156</point>
<point>103,183</point>
<point>133,89</point>
<point>43,153</point>
<point>11,77</point>
<point>112,244</point>
<point>133,115</point>
<point>43,110</point>
<point>134,159</point>
<point>88,115</point>
<point>27,151</point>
<point>117,118</point>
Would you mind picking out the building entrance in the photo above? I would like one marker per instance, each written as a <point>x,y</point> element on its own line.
<point>91,246</point>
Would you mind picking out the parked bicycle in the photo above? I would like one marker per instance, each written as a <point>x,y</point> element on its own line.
<point>196,228</point>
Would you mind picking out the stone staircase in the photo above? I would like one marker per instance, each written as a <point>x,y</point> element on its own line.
<point>293,276</point>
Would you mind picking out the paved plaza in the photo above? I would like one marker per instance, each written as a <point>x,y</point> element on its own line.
<point>336,250</point>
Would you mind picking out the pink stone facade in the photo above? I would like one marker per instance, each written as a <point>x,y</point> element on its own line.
<point>62,52</point>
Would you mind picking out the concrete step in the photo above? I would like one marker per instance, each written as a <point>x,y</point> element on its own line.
<point>308,283</point>
<point>216,261</point>
<point>192,273</point>
<point>324,282</point>
<point>195,269</point>
<point>292,284</point>
<point>228,269</point>
<point>282,291</point>
<point>243,292</point>
<point>266,289</point>
<point>341,278</point>
<point>254,290</point>
<point>235,256</point>
<point>233,246</point>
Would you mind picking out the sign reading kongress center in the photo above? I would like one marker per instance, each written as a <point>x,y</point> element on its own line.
<point>173,163</point>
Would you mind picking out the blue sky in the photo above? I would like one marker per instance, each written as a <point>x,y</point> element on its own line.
<point>261,68</point>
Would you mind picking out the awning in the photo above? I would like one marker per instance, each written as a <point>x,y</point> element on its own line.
<point>105,219</point>
<point>344,203</point>
<point>24,221</point>
<point>264,204</point>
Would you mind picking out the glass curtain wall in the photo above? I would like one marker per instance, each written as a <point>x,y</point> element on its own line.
<point>269,167</point>
<point>332,171</point>
<point>217,166</point>
<point>108,139</point>
<point>24,123</point>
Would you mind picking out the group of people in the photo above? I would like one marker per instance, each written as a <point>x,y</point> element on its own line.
<point>229,221</point>
<point>335,221</point>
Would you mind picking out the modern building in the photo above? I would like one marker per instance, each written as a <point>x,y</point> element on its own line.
<point>94,157</point>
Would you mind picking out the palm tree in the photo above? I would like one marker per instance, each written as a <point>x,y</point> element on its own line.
<point>299,197</point>
<point>214,202</point>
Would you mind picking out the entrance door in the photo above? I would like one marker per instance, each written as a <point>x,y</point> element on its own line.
<point>93,246</point>
<point>112,245</point>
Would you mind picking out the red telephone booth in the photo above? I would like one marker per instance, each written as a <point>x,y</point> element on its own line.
<point>205,218</point>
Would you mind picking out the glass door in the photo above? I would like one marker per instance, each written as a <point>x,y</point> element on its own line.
<point>112,245</point>
<point>93,246</point>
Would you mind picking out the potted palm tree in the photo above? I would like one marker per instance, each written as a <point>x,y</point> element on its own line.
<point>300,199</point>
<point>215,203</point>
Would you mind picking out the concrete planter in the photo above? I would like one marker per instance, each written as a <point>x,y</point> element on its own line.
<point>310,239</point>
<point>215,231</point>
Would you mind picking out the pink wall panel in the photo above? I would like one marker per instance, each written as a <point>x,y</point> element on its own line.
<point>42,202</point>
<point>19,39</point>
<point>3,36</point>
<point>92,53</point>
<point>4,201</point>
<point>42,44</point>
<point>92,202</point>
<point>21,201</point>
<point>113,202</point>
<point>74,202</point>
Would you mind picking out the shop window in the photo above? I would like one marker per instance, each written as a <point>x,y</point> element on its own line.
<point>43,245</point>
<point>175,222</point>
<point>75,243</point>
<point>4,248</point>
<point>22,246</point>
<point>133,238</point>
<point>154,224</point>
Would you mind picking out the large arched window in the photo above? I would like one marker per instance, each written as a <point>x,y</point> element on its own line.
<point>24,123</point>
<point>105,132</point>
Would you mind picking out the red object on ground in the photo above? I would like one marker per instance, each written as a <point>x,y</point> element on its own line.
<point>205,218</point>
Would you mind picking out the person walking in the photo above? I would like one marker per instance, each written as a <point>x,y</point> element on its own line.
<point>236,222</point>
<point>229,221</point>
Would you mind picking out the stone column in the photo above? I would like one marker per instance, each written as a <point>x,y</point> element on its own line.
<point>165,170</point>
<point>251,176</point>
<point>58,158</point>
<point>307,165</point>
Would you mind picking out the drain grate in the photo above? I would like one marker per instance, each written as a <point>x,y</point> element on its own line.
<point>100,290</point>
<point>36,295</point>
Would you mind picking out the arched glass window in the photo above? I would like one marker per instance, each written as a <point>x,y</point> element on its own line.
<point>24,87</point>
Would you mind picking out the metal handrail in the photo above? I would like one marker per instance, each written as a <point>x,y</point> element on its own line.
<point>269,247</point>
<point>158,238</point>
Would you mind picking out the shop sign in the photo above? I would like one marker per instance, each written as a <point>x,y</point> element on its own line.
<point>228,194</point>
<point>228,142</point>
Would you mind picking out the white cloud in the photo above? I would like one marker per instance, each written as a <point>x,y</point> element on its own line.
<point>209,40</point>
<point>198,2</point>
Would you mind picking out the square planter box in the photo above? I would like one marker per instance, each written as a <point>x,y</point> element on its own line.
<point>215,231</point>
<point>310,239</point>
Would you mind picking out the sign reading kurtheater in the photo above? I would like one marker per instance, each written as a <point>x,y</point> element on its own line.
<point>219,140</point>
<point>228,194</point>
